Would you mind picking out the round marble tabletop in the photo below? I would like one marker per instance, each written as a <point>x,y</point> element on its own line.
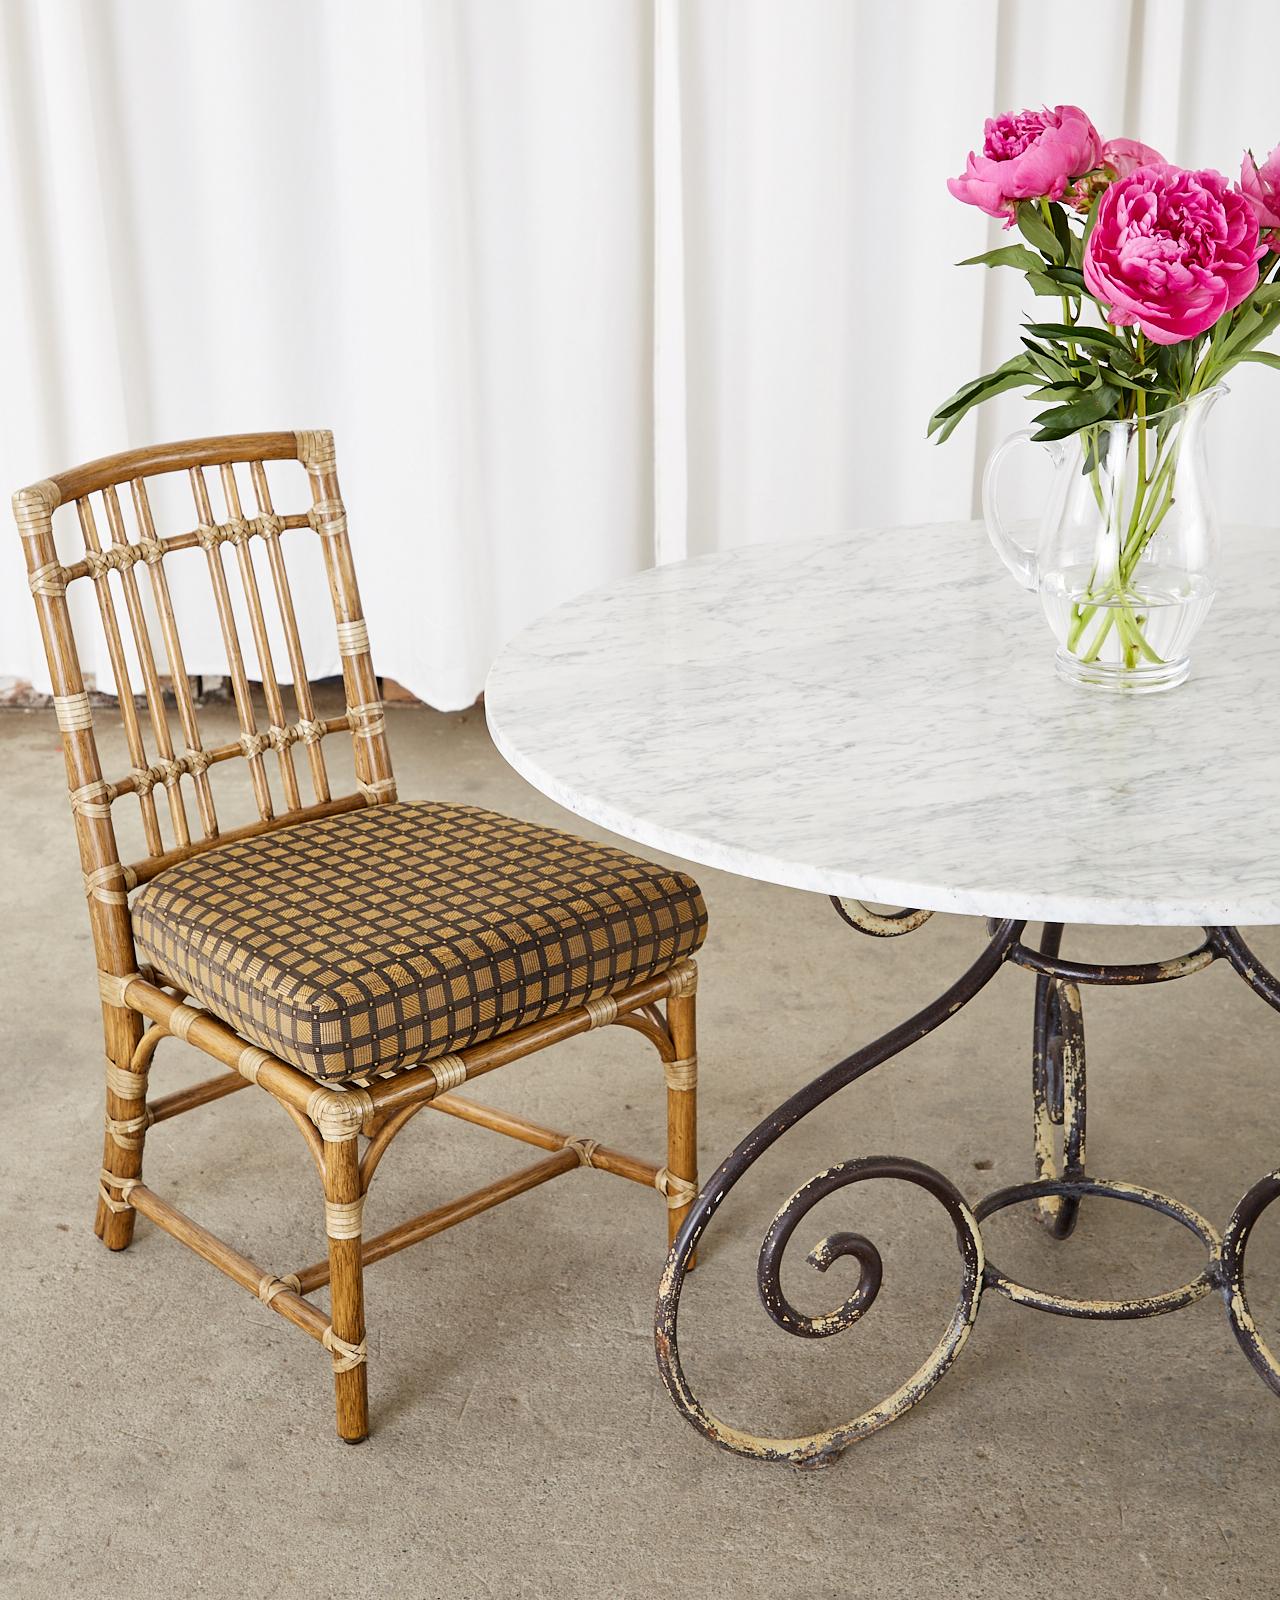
<point>877,716</point>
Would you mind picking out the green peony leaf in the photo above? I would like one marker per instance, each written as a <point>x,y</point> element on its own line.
<point>1094,405</point>
<point>1053,363</point>
<point>1251,328</point>
<point>1009,255</point>
<point>1042,283</point>
<point>1011,380</point>
<point>1055,391</point>
<point>1139,383</point>
<point>1035,230</point>
<point>1071,277</point>
<point>1013,374</point>
<point>1097,337</point>
<point>1067,240</point>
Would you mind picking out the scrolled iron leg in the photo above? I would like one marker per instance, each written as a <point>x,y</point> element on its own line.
<point>1235,1242</point>
<point>1058,1088</point>
<point>819,1448</point>
<point>1058,1081</point>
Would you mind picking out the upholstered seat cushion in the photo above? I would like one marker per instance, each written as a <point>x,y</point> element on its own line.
<point>377,939</point>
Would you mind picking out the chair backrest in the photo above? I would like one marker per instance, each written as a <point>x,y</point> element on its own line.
<point>112,547</point>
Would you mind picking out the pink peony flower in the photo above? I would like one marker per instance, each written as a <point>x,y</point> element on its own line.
<point>1261,187</point>
<point>1119,158</point>
<point>1124,156</point>
<point>1171,251</point>
<point>1027,155</point>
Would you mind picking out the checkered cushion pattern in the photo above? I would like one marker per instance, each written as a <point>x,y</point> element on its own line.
<point>375,940</point>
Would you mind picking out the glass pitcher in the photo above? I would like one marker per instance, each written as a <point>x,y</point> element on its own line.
<point>1126,556</point>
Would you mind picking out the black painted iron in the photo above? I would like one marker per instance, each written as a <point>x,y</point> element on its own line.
<point>1061,1182</point>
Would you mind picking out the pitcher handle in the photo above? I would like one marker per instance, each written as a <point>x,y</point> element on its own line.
<point>1019,560</point>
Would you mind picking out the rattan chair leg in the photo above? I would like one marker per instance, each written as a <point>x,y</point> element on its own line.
<point>126,1123</point>
<point>345,1339</point>
<point>682,1103</point>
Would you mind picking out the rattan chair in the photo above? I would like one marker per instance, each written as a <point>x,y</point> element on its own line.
<point>355,957</point>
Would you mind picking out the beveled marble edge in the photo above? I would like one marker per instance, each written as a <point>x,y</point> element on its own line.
<point>701,851</point>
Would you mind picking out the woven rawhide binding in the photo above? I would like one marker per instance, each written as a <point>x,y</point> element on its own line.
<point>93,799</point>
<point>353,637</point>
<point>345,1355</point>
<point>126,1131</point>
<point>315,449</point>
<point>449,1072</point>
<point>73,711</point>
<point>344,1219</point>
<point>250,1062</point>
<point>269,1287</point>
<point>328,518</point>
<point>168,772</point>
<point>367,721</point>
<point>33,507</point>
<point>583,1148</point>
<point>125,1084</point>
<point>121,557</point>
<point>681,1074</point>
<point>181,1020</point>
<point>110,884</point>
<point>601,1012</point>
<point>679,1191</point>
<point>50,579</point>
<point>339,1114</point>
<point>126,1187</point>
<point>683,979</point>
<point>113,986</point>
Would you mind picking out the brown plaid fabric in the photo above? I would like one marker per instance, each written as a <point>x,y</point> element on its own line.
<point>377,939</point>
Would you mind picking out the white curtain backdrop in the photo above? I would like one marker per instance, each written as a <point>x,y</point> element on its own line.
<point>579,284</point>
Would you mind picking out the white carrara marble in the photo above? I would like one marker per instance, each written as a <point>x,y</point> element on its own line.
<point>877,715</point>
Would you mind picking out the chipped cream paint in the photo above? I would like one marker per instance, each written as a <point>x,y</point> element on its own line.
<point>818,1449</point>
<point>1137,1306</point>
<point>1058,1212</point>
<point>878,924</point>
<point>1235,1242</point>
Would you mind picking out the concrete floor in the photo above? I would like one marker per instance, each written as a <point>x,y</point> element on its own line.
<point>165,1435</point>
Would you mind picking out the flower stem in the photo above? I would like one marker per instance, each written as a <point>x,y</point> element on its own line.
<point>1153,497</point>
<point>1140,488</point>
<point>1064,299</point>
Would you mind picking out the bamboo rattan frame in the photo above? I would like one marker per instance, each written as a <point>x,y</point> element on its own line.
<point>139,1010</point>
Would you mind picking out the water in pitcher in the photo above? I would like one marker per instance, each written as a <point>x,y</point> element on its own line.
<point>1165,604</point>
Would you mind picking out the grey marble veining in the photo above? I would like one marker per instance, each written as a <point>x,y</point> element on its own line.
<point>877,715</point>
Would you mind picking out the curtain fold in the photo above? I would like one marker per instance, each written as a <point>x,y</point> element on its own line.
<point>579,284</point>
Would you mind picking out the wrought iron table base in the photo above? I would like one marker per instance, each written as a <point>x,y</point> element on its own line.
<point>1058,1093</point>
